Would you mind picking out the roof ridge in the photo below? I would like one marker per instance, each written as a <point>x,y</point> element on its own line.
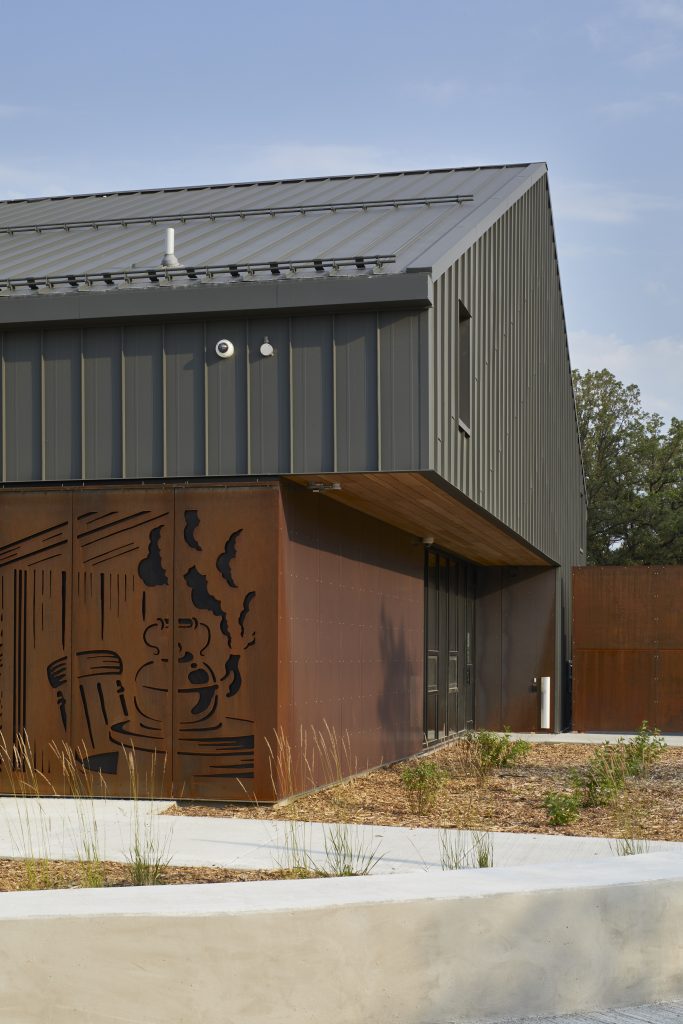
<point>271,181</point>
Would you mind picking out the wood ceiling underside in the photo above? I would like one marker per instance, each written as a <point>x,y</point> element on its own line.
<point>417,505</point>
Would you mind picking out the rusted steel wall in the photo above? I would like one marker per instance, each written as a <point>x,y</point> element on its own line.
<point>628,647</point>
<point>141,622</point>
<point>353,634</point>
<point>516,643</point>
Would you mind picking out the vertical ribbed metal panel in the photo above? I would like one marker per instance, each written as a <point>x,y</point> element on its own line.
<point>522,461</point>
<point>22,406</point>
<point>102,441</point>
<point>269,398</point>
<point>399,387</point>
<point>341,391</point>
<point>143,402</point>
<point>184,399</point>
<point>355,372</point>
<point>61,405</point>
<point>226,401</point>
<point>313,394</point>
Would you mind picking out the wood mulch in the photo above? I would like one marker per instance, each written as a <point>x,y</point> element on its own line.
<point>509,800</point>
<point>17,874</point>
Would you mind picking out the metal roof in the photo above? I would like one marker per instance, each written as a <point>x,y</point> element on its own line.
<point>352,225</point>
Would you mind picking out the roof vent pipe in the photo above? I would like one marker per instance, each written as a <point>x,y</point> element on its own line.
<point>170,259</point>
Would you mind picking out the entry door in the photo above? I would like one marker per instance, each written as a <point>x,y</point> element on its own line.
<point>449,629</point>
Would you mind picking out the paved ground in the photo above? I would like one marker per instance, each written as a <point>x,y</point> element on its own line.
<point>672,739</point>
<point>657,1013</point>
<point>52,828</point>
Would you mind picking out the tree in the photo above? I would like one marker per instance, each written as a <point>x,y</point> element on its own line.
<point>634,474</point>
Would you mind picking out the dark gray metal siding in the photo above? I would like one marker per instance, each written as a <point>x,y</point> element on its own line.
<point>522,460</point>
<point>140,401</point>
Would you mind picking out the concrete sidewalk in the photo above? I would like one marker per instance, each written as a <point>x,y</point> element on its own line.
<point>52,828</point>
<point>652,1013</point>
<point>671,739</point>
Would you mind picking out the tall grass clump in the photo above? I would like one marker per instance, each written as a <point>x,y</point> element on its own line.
<point>83,788</point>
<point>31,834</point>
<point>459,850</point>
<point>349,851</point>
<point>148,853</point>
<point>320,759</point>
<point>423,780</point>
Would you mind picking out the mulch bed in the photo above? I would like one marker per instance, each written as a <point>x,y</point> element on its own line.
<point>16,874</point>
<point>510,800</point>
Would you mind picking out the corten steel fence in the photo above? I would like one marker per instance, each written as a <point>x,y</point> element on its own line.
<point>628,648</point>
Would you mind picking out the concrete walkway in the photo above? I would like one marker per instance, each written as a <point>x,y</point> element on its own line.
<point>653,1013</point>
<point>671,739</point>
<point>55,828</point>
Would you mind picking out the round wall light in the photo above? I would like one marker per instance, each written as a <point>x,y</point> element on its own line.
<point>266,347</point>
<point>224,348</point>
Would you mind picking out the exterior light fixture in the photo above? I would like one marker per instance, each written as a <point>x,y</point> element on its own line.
<point>266,347</point>
<point>224,349</point>
<point>318,486</point>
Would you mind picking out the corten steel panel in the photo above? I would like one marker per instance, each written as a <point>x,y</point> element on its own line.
<point>354,592</point>
<point>668,691</point>
<point>35,632</point>
<point>121,671</point>
<point>614,608</point>
<point>140,626</point>
<point>225,641</point>
<point>613,690</point>
<point>628,647</point>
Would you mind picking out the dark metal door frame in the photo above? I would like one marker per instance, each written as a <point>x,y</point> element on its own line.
<point>449,645</point>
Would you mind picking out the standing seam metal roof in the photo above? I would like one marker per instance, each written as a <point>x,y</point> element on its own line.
<point>357,224</point>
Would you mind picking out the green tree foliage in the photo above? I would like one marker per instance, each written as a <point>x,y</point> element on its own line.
<point>634,475</point>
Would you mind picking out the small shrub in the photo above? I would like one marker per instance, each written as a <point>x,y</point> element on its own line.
<point>487,751</point>
<point>604,776</point>
<point>642,750</point>
<point>562,808</point>
<point>423,780</point>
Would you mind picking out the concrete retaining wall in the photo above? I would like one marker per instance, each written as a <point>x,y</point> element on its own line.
<point>407,949</point>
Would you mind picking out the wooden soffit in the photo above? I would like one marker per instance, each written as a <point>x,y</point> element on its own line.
<point>417,504</point>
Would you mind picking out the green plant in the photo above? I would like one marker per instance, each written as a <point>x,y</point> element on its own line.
<point>86,832</point>
<point>629,846</point>
<point>423,779</point>
<point>148,853</point>
<point>642,750</point>
<point>30,831</point>
<point>349,852</point>
<point>603,777</point>
<point>296,856</point>
<point>457,850</point>
<point>486,751</point>
<point>562,808</point>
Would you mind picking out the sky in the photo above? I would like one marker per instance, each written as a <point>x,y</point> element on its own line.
<point>97,97</point>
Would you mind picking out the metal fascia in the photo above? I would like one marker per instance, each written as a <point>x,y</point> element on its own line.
<point>396,290</point>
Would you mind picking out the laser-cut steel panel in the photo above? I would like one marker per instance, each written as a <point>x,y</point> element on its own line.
<point>35,631</point>
<point>226,571</point>
<point>141,623</point>
<point>122,663</point>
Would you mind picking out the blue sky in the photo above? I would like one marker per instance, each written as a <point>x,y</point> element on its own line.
<point>98,97</point>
